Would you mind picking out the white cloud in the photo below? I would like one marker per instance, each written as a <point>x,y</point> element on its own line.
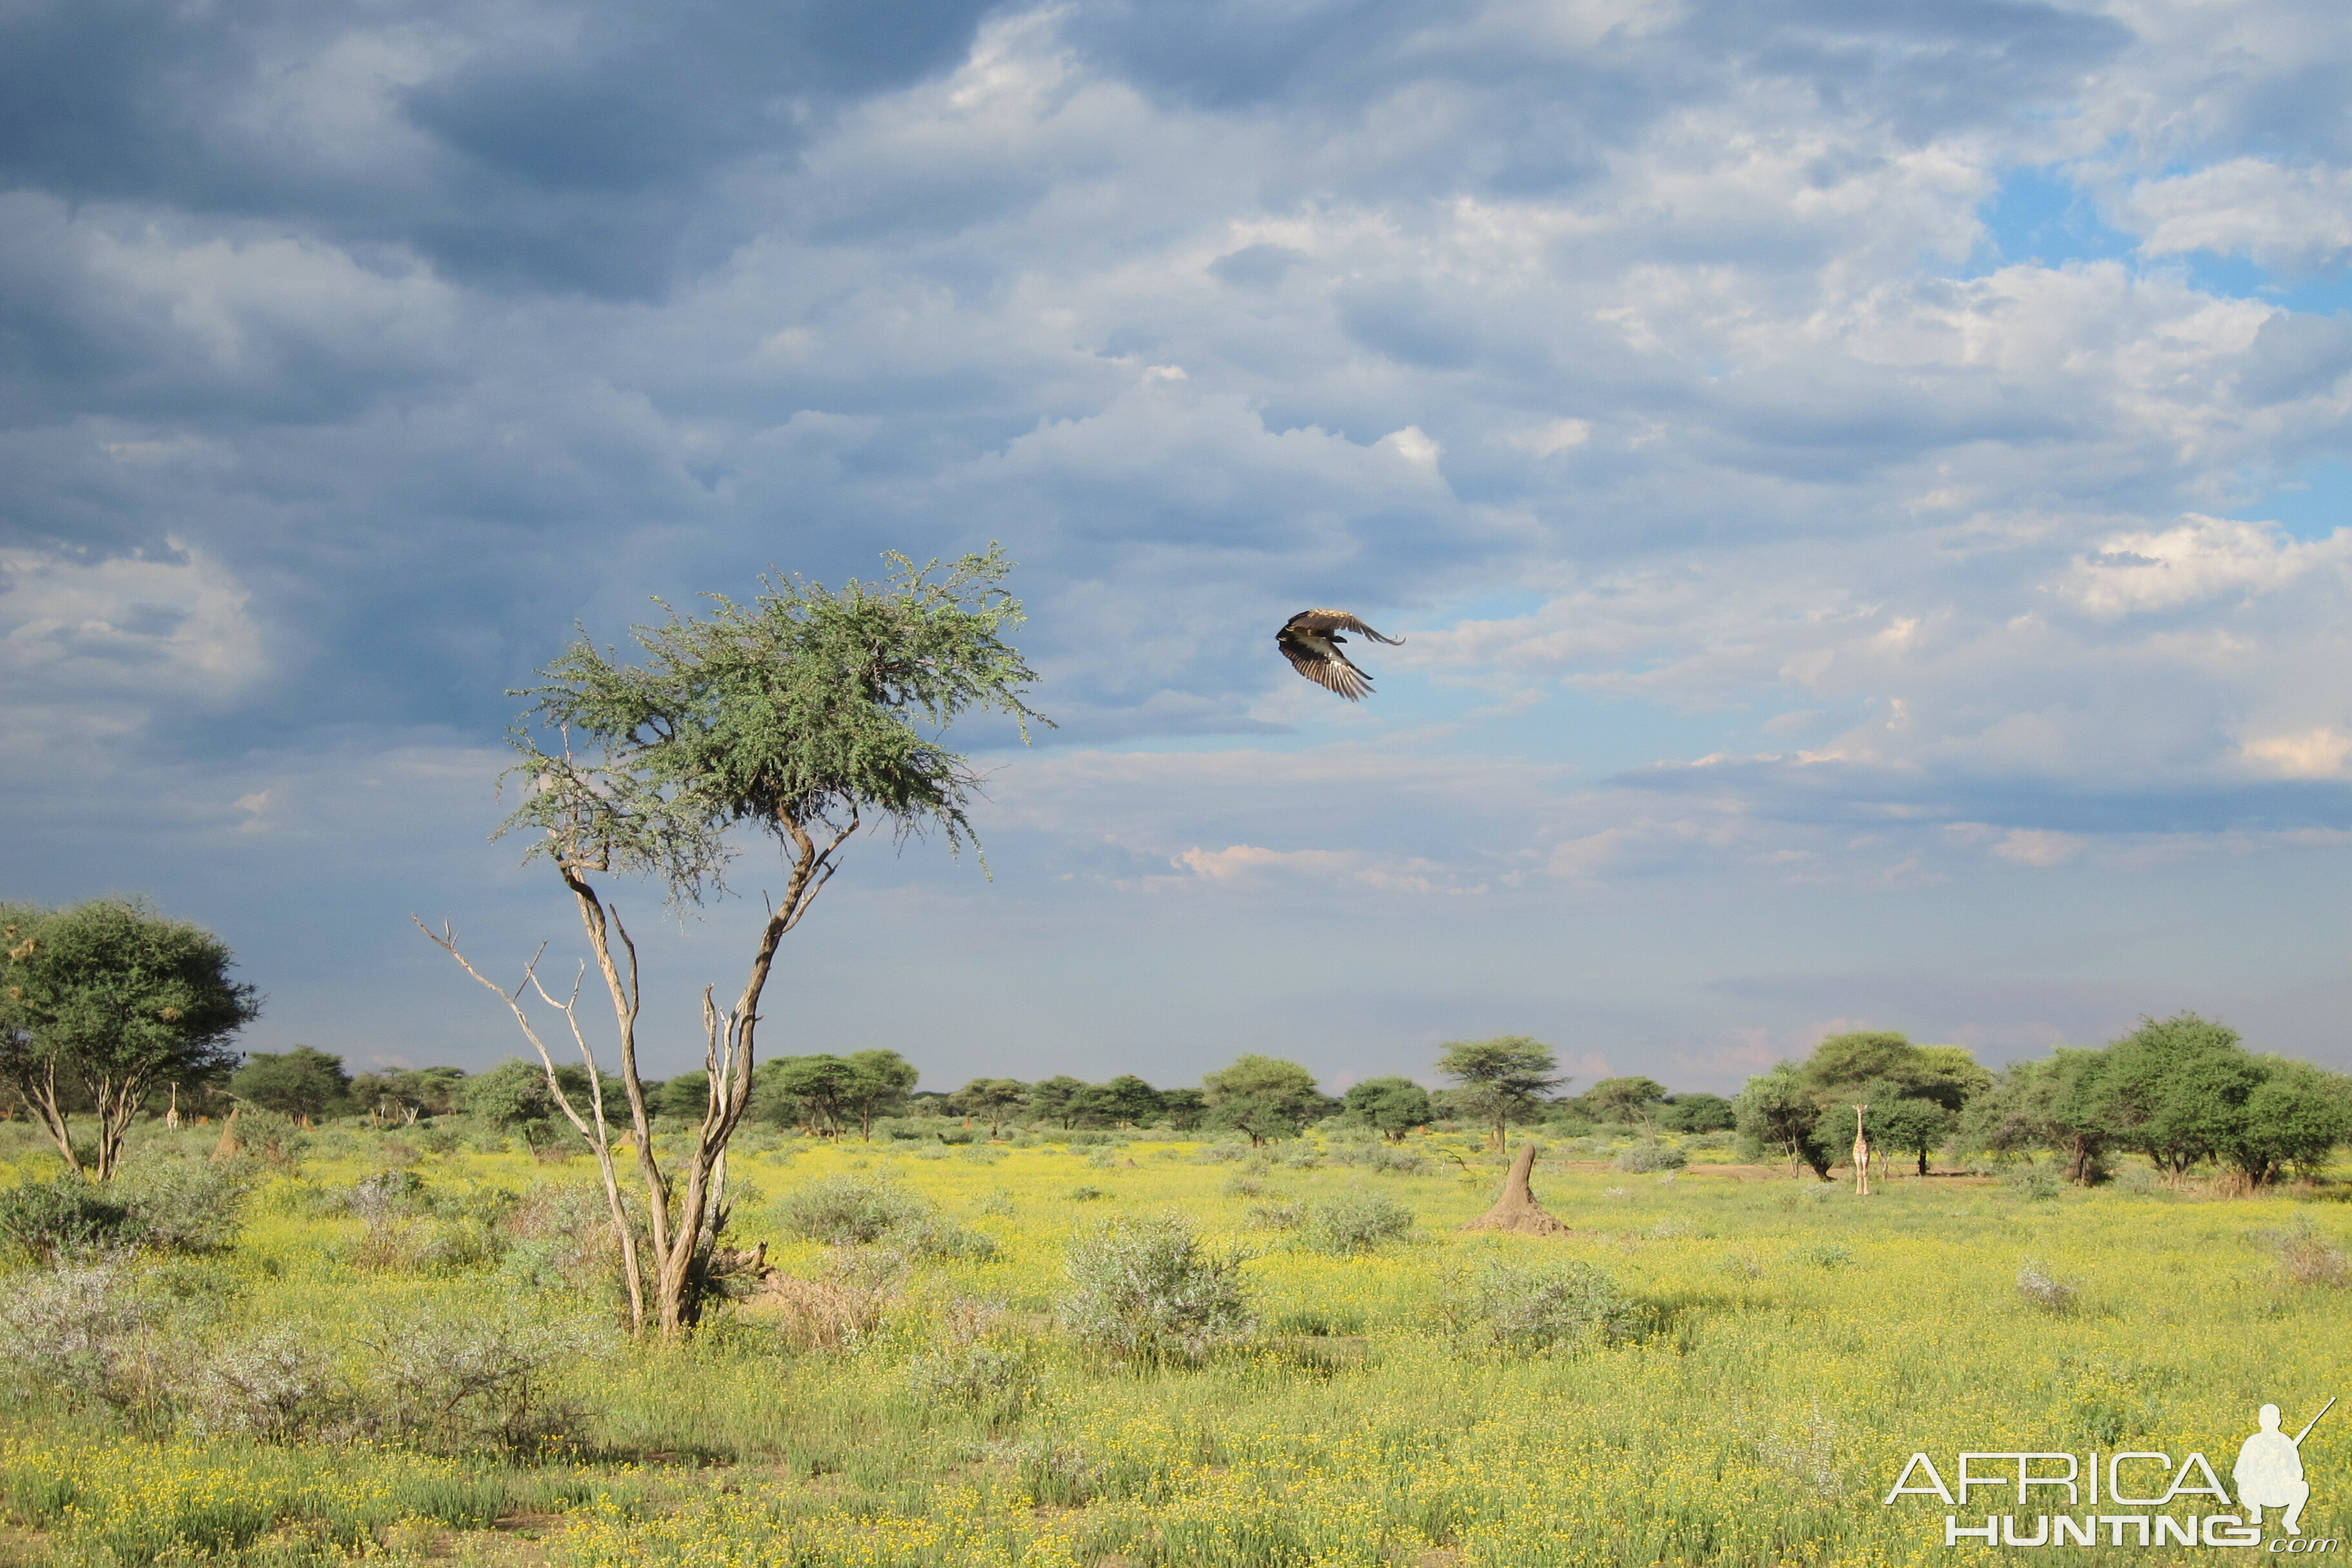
<point>2278,216</point>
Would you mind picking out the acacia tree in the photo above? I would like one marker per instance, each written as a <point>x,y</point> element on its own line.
<point>990,1100</point>
<point>1391,1105</point>
<point>113,999</point>
<point>1502,1077</point>
<point>1264,1097</point>
<point>803,716</point>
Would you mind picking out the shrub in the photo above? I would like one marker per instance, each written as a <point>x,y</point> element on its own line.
<point>1083,1139</point>
<point>1315,1323</point>
<point>1149,1290</point>
<point>1531,1309</point>
<point>1643,1158</point>
<point>63,1217</point>
<point>1823,1255</point>
<point>559,1236</point>
<point>941,1238</point>
<point>2138,1180</point>
<point>2035,1184</point>
<point>1222,1153</point>
<point>847,1210</point>
<point>2041,1289</point>
<point>277,1386</point>
<point>1244,1187</point>
<point>994,1380</point>
<point>1277,1214</point>
<point>1086,1195</point>
<point>2306,1257</point>
<point>458,1383</point>
<point>187,1205</point>
<point>1357,1222</point>
<point>83,1332</point>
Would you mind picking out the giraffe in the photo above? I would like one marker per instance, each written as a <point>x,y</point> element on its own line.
<point>1861,1155</point>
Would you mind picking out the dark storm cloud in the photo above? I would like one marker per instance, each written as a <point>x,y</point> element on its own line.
<point>518,147</point>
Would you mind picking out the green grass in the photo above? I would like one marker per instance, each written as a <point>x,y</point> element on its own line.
<point>1798,1345</point>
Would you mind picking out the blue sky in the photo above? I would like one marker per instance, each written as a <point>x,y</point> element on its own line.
<point>1864,486</point>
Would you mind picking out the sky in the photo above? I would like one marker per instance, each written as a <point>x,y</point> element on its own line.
<point>1864,487</point>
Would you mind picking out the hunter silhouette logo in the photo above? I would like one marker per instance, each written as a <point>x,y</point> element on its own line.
<point>2269,1475</point>
<point>2269,1471</point>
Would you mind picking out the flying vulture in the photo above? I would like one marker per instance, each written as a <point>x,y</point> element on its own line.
<point>1311,641</point>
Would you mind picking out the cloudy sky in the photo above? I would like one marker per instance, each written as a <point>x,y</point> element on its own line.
<point>1862,483</point>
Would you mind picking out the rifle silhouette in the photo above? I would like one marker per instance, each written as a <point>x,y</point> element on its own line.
<point>2308,1425</point>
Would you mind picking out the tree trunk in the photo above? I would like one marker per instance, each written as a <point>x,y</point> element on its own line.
<point>1517,1209</point>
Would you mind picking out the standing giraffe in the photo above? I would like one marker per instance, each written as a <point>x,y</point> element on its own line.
<point>1861,1155</point>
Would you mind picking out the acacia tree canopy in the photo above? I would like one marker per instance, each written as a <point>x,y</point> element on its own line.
<point>1500,1078</point>
<point>1391,1105</point>
<point>1264,1097</point>
<point>111,998</point>
<point>803,715</point>
<point>303,1081</point>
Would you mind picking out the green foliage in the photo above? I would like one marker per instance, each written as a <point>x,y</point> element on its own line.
<point>112,999</point>
<point>514,1094</point>
<point>1354,1222</point>
<point>299,1082</point>
<point>995,1100</point>
<point>2057,1104</point>
<point>1503,1308</point>
<point>1697,1112</point>
<point>807,707</point>
<point>47,1220</point>
<point>1263,1096</point>
<point>1627,1101</point>
<point>1149,1290</point>
<point>1777,1112</point>
<point>1183,1109</point>
<point>1643,1159</point>
<point>849,1210</point>
<point>162,1205</point>
<point>2292,1120</point>
<point>2176,1090</point>
<point>1499,1078</point>
<point>404,1094</point>
<point>1391,1106</point>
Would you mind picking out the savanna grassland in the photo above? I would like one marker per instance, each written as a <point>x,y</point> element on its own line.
<point>1773,1351</point>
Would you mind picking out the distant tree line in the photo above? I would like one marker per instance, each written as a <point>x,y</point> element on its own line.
<point>2183,1091</point>
<point>109,1009</point>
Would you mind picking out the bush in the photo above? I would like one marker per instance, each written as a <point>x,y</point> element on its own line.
<point>848,1210</point>
<point>994,1381</point>
<point>943,1237</point>
<point>1357,1222</point>
<point>1823,1255</point>
<point>1277,1214</point>
<point>187,1205</point>
<point>1148,1290</point>
<point>83,1332</point>
<point>2035,1184</point>
<point>278,1386</point>
<point>1533,1308</point>
<point>63,1218</point>
<point>2306,1257</point>
<point>2044,1289</point>
<point>475,1382</point>
<point>1643,1158</point>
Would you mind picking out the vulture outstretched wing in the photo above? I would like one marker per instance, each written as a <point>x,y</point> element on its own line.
<point>1310,640</point>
